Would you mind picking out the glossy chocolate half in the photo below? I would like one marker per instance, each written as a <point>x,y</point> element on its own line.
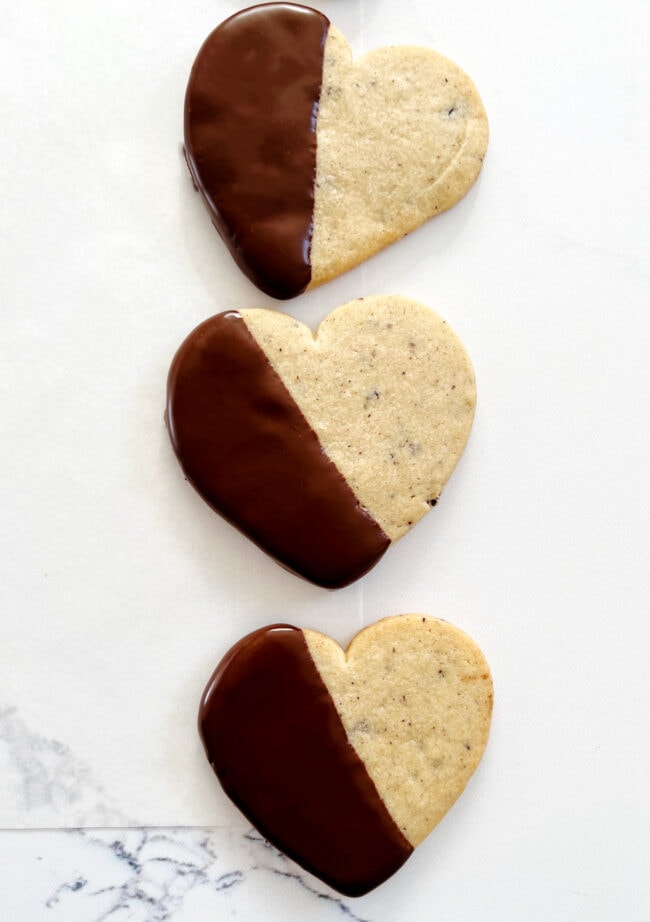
<point>276,742</point>
<point>250,138</point>
<point>244,444</point>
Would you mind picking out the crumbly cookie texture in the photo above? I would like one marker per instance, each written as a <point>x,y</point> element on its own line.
<point>389,390</point>
<point>415,697</point>
<point>402,134</point>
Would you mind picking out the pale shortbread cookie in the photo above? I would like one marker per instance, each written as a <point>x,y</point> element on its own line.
<point>310,162</point>
<point>415,697</point>
<point>402,134</point>
<point>389,390</point>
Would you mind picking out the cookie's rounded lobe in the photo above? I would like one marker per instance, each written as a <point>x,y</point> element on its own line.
<point>250,138</point>
<point>276,742</point>
<point>244,444</point>
<point>414,694</point>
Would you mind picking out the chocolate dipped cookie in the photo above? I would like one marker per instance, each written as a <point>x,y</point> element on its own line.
<point>346,761</point>
<point>310,162</point>
<point>323,449</point>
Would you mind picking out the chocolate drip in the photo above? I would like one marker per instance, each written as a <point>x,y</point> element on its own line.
<point>250,138</point>
<point>276,742</point>
<point>244,444</point>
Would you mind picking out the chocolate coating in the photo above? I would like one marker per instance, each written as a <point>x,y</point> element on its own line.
<point>250,138</point>
<point>244,444</point>
<point>276,742</point>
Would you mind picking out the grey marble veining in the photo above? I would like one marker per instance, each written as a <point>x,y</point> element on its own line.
<point>154,875</point>
<point>42,779</point>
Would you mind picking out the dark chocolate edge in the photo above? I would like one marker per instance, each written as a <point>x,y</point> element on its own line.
<point>215,217</point>
<point>363,513</point>
<point>399,837</point>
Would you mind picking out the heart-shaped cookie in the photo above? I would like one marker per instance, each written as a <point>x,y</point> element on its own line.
<point>309,162</point>
<point>346,761</point>
<point>322,449</point>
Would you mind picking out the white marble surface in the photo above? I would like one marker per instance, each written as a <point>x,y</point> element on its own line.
<point>119,590</point>
<point>157,875</point>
